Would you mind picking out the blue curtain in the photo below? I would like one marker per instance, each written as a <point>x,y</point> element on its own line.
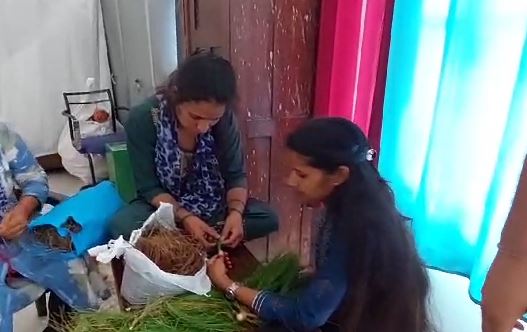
<point>455,125</point>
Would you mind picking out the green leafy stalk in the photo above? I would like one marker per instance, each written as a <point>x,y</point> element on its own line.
<point>194,313</point>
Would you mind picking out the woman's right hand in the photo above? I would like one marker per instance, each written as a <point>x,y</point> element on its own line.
<point>198,229</point>
<point>217,267</point>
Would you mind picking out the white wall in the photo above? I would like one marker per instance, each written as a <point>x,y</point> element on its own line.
<point>47,48</point>
<point>142,44</point>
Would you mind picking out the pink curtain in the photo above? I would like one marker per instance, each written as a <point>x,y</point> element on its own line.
<point>352,58</point>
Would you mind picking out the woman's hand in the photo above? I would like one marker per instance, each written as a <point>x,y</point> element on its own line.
<point>15,221</point>
<point>198,229</point>
<point>232,233</point>
<point>505,293</point>
<point>217,271</point>
<point>14,224</point>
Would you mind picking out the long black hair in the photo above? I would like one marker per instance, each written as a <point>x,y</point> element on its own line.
<point>388,284</point>
<point>202,76</point>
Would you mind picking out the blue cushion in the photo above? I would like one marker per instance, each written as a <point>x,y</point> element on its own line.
<point>92,209</point>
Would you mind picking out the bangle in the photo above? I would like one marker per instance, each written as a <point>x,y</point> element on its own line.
<point>178,210</point>
<point>185,217</point>
<point>230,292</point>
<point>234,200</point>
<point>237,207</point>
<point>232,209</point>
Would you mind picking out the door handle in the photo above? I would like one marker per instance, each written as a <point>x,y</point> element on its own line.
<point>138,85</point>
<point>211,49</point>
<point>196,14</point>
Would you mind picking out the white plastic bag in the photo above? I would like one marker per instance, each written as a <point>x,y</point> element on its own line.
<point>143,281</point>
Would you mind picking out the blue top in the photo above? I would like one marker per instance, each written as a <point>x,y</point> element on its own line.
<point>314,305</point>
<point>19,167</point>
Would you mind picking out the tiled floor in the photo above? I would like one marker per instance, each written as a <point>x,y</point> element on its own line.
<point>64,183</point>
<point>452,309</point>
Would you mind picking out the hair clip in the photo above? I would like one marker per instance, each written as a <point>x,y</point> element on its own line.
<point>371,154</point>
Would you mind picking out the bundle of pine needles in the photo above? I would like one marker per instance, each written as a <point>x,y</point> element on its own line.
<point>194,313</point>
<point>172,251</point>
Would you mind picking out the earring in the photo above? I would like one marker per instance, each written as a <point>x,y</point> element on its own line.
<point>371,154</point>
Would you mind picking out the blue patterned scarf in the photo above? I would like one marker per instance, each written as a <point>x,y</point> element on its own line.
<point>202,190</point>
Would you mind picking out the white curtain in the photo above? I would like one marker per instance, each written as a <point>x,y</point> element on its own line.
<point>47,48</point>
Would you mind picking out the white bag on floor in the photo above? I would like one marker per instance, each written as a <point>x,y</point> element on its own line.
<point>143,281</point>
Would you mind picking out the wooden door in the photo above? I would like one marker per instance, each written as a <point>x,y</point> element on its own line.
<point>272,46</point>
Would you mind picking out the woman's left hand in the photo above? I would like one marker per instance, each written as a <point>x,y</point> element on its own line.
<point>217,271</point>
<point>232,233</point>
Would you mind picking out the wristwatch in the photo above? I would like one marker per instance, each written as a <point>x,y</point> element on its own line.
<point>230,292</point>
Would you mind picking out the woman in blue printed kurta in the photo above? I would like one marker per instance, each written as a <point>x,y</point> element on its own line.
<point>369,276</point>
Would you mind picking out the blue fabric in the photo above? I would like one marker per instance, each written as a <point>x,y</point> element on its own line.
<point>97,144</point>
<point>92,208</point>
<point>13,299</point>
<point>27,173</point>
<point>454,137</point>
<point>202,189</point>
<point>6,203</point>
<point>312,306</point>
<point>62,272</point>
<point>18,167</point>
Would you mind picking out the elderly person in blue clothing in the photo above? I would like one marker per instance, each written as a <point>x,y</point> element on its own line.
<point>368,274</point>
<point>19,168</point>
<point>28,267</point>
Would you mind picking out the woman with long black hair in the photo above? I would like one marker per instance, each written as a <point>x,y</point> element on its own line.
<point>369,276</point>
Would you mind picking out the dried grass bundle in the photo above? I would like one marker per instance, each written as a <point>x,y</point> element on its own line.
<point>172,251</point>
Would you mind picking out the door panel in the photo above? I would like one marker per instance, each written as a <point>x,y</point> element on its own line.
<point>142,45</point>
<point>272,46</point>
<point>295,37</point>
<point>209,25</point>
<point>251,49</point>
